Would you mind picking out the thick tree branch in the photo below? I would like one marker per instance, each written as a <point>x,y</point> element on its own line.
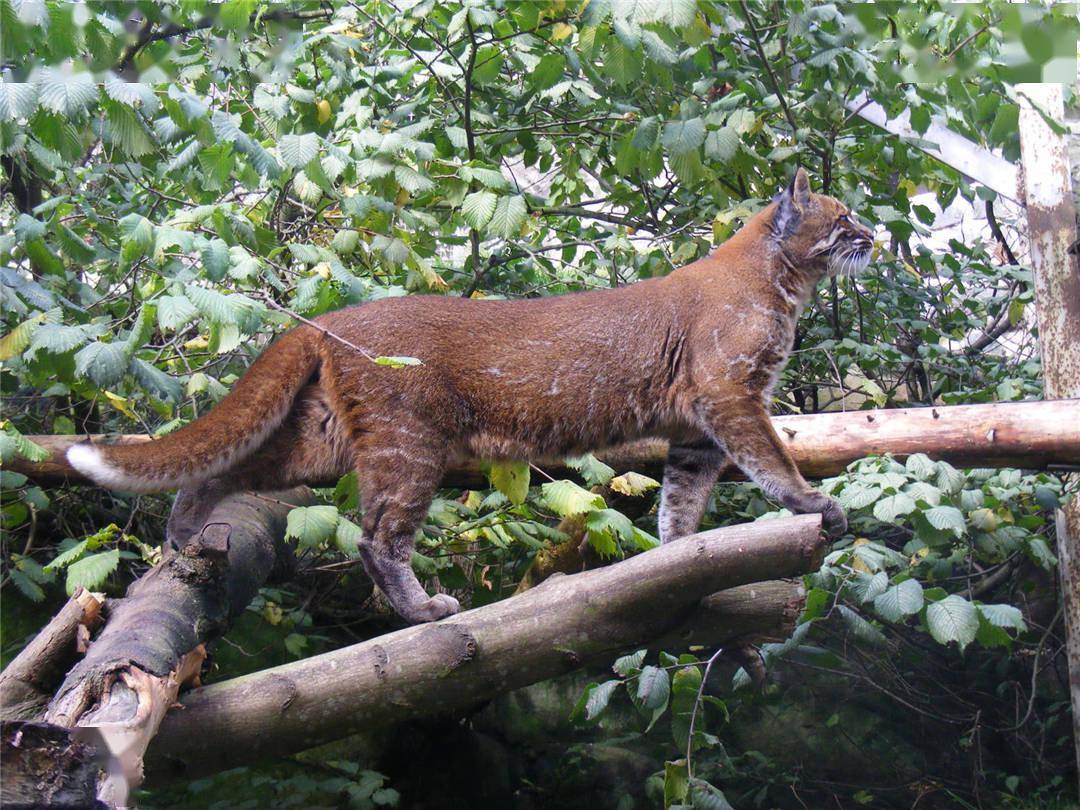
<point>452,666</point>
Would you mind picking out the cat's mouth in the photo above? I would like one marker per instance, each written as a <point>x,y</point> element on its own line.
<point>849,261</point>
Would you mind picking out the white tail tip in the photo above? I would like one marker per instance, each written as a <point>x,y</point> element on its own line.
<point>88,460</point>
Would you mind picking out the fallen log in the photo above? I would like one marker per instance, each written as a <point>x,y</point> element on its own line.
<point>454,665</point>
<point>115,698</point>
<point>1032,435</point>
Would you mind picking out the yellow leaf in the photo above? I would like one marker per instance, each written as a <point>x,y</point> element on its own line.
<point>633,484</point>
<point>919,555</point>
<point>323,108</point>
<point>121,404</point>
<point>199,342</point>
<point>561,31</point>
<point>16,341</point>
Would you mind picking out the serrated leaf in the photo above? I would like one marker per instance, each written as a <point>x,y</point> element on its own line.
<point>215,306</point>
<point>1007,616</point>
<point>593,470</point>
<point>722,144</point>
<point>159,384</point>
<point>215,259</point>
<point>102,363</point>
<point>13,445</point>
<point>566,498</point>
<point>683,136</point>
<point>298,150</point>
<point>860,627</point>
<point>892,506</point>
<point>654,688</point>
<point>511,478</point>
<point>478,207</point>
<point>508,217</point>
<point>347,538</point>
<point>56,339</point>
<point>64,91</point>
<point>605,527</point>
<point>66,558</point>
<point>599,697</point>
<point>175,312</point>
<point>17,100</point>
<point>921,466</point>
<point>903,599</point>
<point>952,619</point>
<point>949,479</point>
<point>27,587</point>
<point>15,342</point>
<point>311,525</point>
<point>91,572</point>
<point>946,518</point>
<point>626,664</point>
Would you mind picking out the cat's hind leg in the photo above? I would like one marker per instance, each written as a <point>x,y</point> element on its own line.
<point>690,472</point>
<point>398,479</point>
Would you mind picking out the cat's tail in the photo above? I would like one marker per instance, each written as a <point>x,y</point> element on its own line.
<point>213,443</point>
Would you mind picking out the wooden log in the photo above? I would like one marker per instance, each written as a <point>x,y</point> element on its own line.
<point>28,681</point>
<point>452,666</point>
<point>1031,435</point>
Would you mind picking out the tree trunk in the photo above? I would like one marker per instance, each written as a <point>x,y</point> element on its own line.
<point>1051,216</point>
<point>1032,435</point>
<point>454,665</point>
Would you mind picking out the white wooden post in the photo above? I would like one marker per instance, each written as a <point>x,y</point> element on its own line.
<point>1051,219</point>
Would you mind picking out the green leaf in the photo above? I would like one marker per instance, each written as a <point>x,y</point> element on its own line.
<point>949,479</point>
<point>13,445</point>
<point>347,538</point>
<point>683,136</point>
<point>298,150</point>
<point>654,688</point>
<point>548,71</point>
<point>508,217</point>
<point>157,382</point>
<point>511,478</point>
<point>646,133</point>
<point>218,308</point>
<point>56,339</point>
<point>722,144</point>
<point>27,587</point>
<point>685,686</point>
<point>676,783</point>
<point>174,312</point>
<point>903,599</point>
<point>626,664</point>
<point>598,698</point>
<point>593,470</point>
<point>15,342</point>
<point>947,518</point>
<point>605,527</point>
<point>1007,616</point>
<point>17,100</point>
<point>103,363</point>
<point>215,259</point>
<point>64,91</point>
<point>920,465</point>
<point>66,558</point>
<point>136,236</point>
<point>566,498</point>
<point>311,525</point>
<point>478,207</point>
<point>91,572</point>
<point>891,506</point>
<point>952,619</point>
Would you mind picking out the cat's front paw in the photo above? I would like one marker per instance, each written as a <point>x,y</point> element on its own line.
<point>833,517</point>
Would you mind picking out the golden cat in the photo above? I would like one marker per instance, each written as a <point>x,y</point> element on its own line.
<point>691,357</point>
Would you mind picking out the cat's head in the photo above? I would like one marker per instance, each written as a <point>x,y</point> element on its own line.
<point>818,231</point>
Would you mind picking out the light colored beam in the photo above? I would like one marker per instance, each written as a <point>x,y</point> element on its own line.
<point>951,148</point>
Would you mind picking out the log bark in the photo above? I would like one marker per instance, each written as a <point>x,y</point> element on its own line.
<point>28,681</point>
<point>1030,435</point>
<point>454,665</point>
<point>114,699</point>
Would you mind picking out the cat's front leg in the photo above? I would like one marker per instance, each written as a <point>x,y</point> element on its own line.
<point>744,430</point>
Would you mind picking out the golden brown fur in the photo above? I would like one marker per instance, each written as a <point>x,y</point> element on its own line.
<point>691,357</point>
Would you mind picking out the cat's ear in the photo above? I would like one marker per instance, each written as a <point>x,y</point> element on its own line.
<point>792,203</point>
